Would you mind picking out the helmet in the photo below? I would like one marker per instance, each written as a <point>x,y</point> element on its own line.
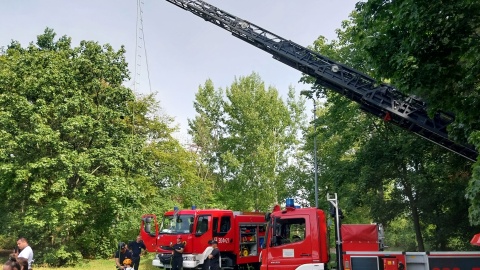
<point>127,261</point>
<point>121,245</point>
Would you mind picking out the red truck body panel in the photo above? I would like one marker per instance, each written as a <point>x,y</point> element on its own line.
<point>360,237</point>
<point>383,260</point>
<point>475,240</point>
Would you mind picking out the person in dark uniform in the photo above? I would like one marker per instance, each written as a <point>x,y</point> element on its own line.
<point>122,254</point>
<point>177,258</point>
<point>136,248</point>
<point>214,257</point>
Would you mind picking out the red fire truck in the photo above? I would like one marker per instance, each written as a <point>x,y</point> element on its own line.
<point>239,236</point>
<point>297,239</point>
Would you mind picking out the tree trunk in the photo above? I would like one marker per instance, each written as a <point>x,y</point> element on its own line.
<point>415,214</point>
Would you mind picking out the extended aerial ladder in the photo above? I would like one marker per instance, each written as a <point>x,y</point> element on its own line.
<point>374,97</point>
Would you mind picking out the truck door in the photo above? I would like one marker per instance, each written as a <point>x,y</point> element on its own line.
<point>224,233</point>
<point>203,231</point>
<point>149,231</point>
<point>290,244</point>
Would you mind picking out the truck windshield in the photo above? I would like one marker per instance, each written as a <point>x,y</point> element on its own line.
<point>180,224</point>
<point>288,230</point>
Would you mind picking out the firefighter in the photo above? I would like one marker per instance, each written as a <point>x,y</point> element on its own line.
<point>213,260</point>
<point>177,258</point>
<point>122,254</point>
<point>136,249</point>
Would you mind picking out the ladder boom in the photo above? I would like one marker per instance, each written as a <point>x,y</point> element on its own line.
<point>374,97</point>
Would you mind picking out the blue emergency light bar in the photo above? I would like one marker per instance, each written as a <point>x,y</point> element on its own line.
<point>290,203</point>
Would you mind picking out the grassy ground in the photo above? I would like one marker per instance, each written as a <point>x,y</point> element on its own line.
<point>145,264</point>
<point>107,264</point>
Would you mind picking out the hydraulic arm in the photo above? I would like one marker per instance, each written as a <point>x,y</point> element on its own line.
<point>374,97</point>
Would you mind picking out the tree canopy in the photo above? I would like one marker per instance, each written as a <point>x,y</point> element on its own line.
<point>246,136</point>
<point>81,156</point>
<point>430,49</point>
<point>391,173</point>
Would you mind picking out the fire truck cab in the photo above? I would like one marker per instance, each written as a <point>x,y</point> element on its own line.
<point>239,236</point>
<point>296,239</point>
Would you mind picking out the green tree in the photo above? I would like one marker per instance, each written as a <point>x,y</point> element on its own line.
<point>246,138</point>
<point>206,130</point>
<point>81,157</point>
<point>383,168</point>
<point>430,49</point>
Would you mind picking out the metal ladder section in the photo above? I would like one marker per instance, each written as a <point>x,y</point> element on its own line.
<point>374,97</point>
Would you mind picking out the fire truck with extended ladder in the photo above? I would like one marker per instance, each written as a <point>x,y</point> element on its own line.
<point>297,238</point>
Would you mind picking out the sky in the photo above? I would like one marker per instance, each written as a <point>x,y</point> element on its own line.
<point>182,50</point>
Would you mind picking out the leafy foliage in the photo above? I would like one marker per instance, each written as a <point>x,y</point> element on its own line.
<point>244,138</point>
<point>430,49</point>
<point>379,167</point>
<point>82,157</point>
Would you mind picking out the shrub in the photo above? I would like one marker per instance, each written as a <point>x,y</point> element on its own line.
<point>60,256</point>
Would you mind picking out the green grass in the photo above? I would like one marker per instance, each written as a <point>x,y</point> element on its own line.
<point>87,265</point>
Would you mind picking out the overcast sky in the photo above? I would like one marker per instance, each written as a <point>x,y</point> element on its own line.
<point>182,50</point>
